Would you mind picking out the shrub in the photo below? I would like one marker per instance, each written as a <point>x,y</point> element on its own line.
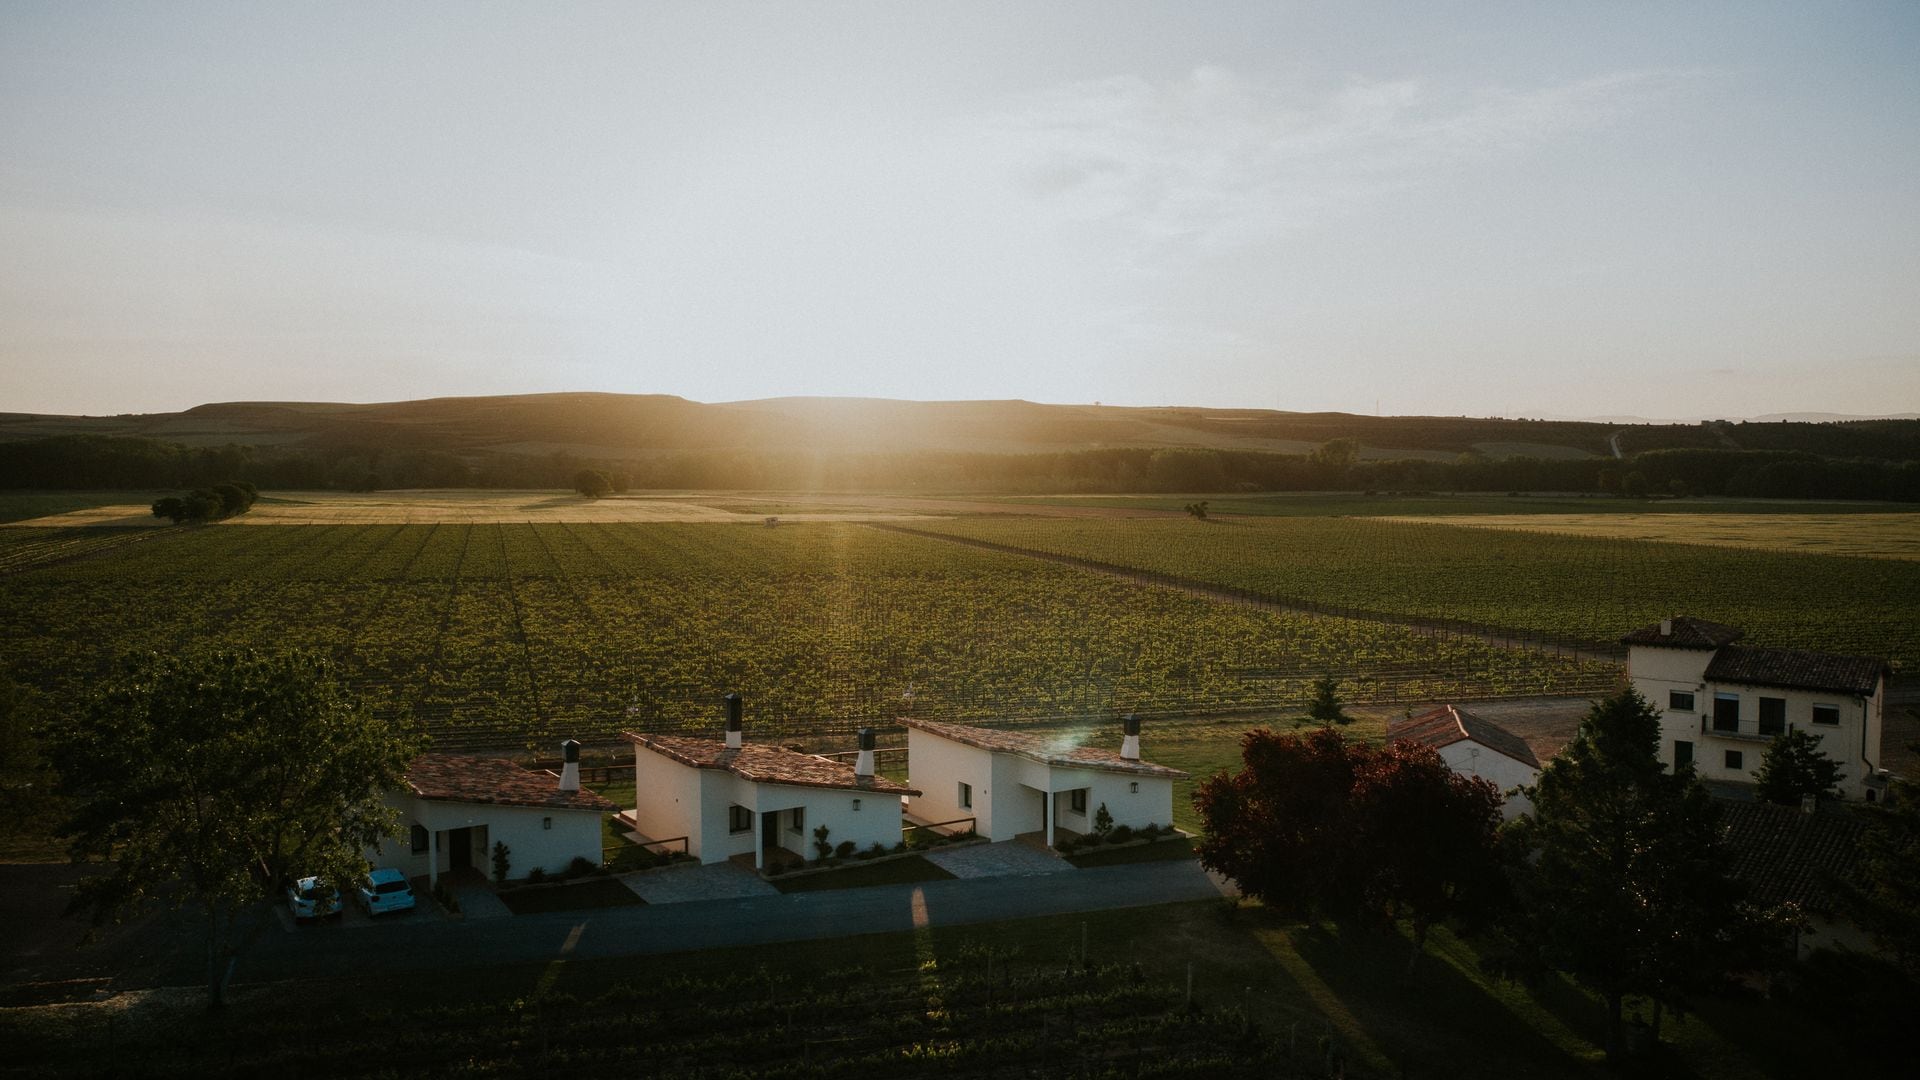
<point>581,866</point>
<point>536,876</point>
<point>1067,846</point>
<point>501,861</point>
<point>845,849</point>
<point>821,844</point>
<point>1149,831</point>
<point>1122,833</point>
<point>900,847</point>
<point>1102,821</point>
<point>878,849</point>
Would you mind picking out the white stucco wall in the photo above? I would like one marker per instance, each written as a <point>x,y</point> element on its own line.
<point>666,799</point>
<point>1469,758</point>
<point>937,767</point>
<point>1152,804</point>
<point>535,836</point>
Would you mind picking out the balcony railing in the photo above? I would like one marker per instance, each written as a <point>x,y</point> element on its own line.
<point>1746,730</point>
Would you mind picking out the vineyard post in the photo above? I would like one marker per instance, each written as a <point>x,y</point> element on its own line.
<point>1189,984</point>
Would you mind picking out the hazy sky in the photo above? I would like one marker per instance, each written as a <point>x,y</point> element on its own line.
<point>1526,209</point>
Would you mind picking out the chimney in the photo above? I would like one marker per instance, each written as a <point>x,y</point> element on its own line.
<point>733,721</point>
<point>570,771</point>
<point>1130,745</point>
<point>863,765</point>
<point>1808,803</point>
<point>1666,627</point>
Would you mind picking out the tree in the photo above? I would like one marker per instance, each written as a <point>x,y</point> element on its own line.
<point>592,483</point>
<point>1620,875</point>
<point>1794,767</point>
<point>25,781</point>
<point>173,508</point>
<point>1198,510</point>
<point>1325,706</point>
<point>216,777</point>
<point>1634,485</point>
<point>1885,901</point>
<point>1281,827</point>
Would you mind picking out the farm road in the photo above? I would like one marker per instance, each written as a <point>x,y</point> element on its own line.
<point>405,944</point>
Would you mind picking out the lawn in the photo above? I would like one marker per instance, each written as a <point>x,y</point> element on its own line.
<point>859,875</point>
<point>597,892</point>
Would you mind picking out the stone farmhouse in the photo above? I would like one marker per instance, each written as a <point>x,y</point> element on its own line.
<point>1721,703</point>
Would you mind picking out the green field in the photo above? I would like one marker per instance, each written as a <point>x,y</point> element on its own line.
<point>1442,504</point>
<point>1576,588</point>
<point>514,636</point>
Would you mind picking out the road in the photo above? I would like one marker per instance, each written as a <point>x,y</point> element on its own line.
<point>170,948</point>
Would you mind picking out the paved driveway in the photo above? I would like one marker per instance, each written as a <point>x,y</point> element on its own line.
<point>691,882</point>
<point>1007,858</point>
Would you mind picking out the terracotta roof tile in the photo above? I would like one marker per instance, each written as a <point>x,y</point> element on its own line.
<point>1687,634</point>
<point>1447,725</point>
<point>1797,669</point>
<point>455,778</point>
<point>1784,853</point>
<point>764,764</point>
<point>1040,748</point>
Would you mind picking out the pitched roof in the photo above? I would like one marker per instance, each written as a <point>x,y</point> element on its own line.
<point>455,778</point>
<point>1447,725</point>
<point>765,764</point>
<point>1784,853</point>
<point>1046,751</point>
<point>1688,633</point>
<point>1797,669</point>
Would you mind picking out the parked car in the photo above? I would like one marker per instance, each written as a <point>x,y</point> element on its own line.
<point>386,889</point>
<point>312,898</point>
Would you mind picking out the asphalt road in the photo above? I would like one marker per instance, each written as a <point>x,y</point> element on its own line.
<point>168,950</point>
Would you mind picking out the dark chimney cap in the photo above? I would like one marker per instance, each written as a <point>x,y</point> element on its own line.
<point>571,751</point>
<point>733,712</point>
<point>866,738</point>
<point>1130,724</point>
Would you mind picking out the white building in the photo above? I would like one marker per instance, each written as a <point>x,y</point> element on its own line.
<point>1013,782</point>
<point>1473,746</point>
<point>455,808</point>
<point>729,797</point>
<point>1721,703</point>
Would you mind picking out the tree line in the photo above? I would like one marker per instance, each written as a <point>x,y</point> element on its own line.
<point>131,462</point>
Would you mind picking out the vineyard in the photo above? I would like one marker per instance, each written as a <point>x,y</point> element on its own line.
<point>513,636</point>
<point>1549,589</point>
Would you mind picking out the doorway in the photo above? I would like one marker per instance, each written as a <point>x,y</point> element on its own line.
<point>459,849</point>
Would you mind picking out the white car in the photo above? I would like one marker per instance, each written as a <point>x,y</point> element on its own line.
<point>312,898</point>
<point>386,890</point>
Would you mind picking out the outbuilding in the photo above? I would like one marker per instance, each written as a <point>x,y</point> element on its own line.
<point>1015,782</point>
<point>455,808</point>
<point>1474,746</point>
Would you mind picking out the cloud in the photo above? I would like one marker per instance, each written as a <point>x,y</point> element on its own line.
<point>1214,160</point>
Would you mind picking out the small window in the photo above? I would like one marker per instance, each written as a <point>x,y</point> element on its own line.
<point>1773,715</point>
<point>856,806</point>
<point>1133,786</point>
<point>797,819</point>
<point>739,819</point>
<point>1736,759</point>
<point>1680,700</point>
<point>421,841</point>
<point>966,796</point>
<point>1077,799</point>
<point>546,823</point>
<point>1682,755</point>
<point>1826,715</point>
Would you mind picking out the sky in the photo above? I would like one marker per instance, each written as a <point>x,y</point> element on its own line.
<point>1663,210</point>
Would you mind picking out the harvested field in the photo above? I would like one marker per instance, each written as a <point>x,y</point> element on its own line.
<point>1877,536</point>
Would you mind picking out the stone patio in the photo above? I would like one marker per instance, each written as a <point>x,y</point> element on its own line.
<point>1008,858</point>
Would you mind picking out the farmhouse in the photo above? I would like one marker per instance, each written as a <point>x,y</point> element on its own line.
<point>455,808</point>
<point>1720,703</point>
<point>1013,783</point>
<point>1473,746</point>
<point>727,798</point>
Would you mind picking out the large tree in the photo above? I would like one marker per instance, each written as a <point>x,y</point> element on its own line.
<point>214,778</point>
<point>1794,767</point>
<point>1885,897</point>
<point>1317,826</point>
<point>1620,871</point>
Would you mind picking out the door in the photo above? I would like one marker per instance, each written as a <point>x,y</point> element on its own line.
<point>769,829</point>
<point>1682,754</point>
<point>459,849</point>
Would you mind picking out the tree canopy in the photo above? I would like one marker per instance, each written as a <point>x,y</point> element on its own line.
<point>592,483</point>
<point>1794,767</point>
<point>217,777</point>
<point>1326,707</point>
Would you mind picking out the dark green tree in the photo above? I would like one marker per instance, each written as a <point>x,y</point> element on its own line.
<point>214,778</point>
<point>1794,767</point>
<point>1326,707</point>
<point>592,483</point>
<point>173,508</point>
<point>1885,901</point>
<point>26,782</point>
<point>1620,875</point>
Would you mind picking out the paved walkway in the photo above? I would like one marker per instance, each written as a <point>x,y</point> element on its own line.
<point>693,882</point>
<point>1007,858</point>
<point>475,896</point>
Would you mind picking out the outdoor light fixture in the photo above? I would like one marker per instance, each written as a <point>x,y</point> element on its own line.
<point>546,823</point>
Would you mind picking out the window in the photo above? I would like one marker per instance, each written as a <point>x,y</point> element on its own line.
<point>546,823</point>
<point>1077,799</point>
<point>1827,715</point>
<point>1736,760</point>
<point>421,841</point>
<point>1773,715</point>
<point>739,819</point>
<point>1680,700</point>
<point>856,806</point>
<point>797,819</point>
<point>966,796</point>
<point>1726,712</point>
<point>1682,755</point>
<point>1133,786</point>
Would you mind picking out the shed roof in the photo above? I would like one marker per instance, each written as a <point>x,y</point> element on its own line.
<point>1784,853</point>
<point>764,764</point>
<point>1797,669</point>
<point>457,778</point>
<point>1447,725</point>
<point>1687,633</point>
<point>1041,749</point>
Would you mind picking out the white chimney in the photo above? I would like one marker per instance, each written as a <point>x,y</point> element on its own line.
<point>1808,803</point>
<point>1130,742</point>
<point>733,721</point>
<point>863,764</point>
<point>570,771</point>
<point>1666,627</point>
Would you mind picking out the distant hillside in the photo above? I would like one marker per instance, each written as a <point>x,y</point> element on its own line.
<point>635,427</point>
